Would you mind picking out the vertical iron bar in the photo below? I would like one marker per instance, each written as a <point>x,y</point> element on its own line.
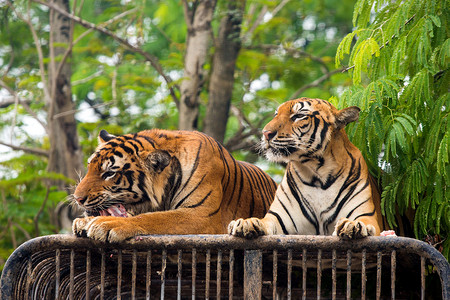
<point>379,257</point>
<point>289,274</point>
<point>363,274</point>
<point>208,272</point>
<point>275,274</point>
<point>148,277</point>
<point>102,276</point>
<point>230,279</point>
<point>219,273</point>
<point>422,277</point>
<point>304,270</point>
<point>252,274</point>
<point>29,276</point>
<point>349,274</point>
<point>119,275</point>
<point>88,273</point>
<point>319,273</point>
<point>333,274</point>
<point>72,275</point>
<point>163,272</point>
<point>393,267</point>
<point>180,253</point>
<point>58,269</point>
<point>133,274</point>
<point>194,271</point>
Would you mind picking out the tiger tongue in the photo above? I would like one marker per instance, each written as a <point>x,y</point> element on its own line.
<point>115,211</point>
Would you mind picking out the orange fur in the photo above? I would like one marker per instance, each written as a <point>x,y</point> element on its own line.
<point>169,182</point>
<point>327,187</point>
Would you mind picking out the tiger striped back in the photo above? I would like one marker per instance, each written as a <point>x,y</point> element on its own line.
<point>167,182</point>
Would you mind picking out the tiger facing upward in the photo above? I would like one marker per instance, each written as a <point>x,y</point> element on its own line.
<point>327,188</point>
<point>166,182</point>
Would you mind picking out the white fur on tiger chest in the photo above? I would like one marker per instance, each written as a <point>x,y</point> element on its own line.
<point>314,205</point>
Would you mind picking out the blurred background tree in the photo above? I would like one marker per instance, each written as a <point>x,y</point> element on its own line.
<point>217,66</point>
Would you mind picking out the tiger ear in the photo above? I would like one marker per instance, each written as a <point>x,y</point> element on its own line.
<point>158,160</point>
<point>347,115</point>
<point>104,136</point>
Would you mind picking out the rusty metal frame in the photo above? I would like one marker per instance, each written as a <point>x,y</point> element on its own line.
<point>328,252</point>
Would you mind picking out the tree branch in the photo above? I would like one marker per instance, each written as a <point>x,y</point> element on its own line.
<point>292,51</point>
<point>315,83</point>
<point>38,49</point>
<point>385,44</point>
<point>240,140</point>
<point>260,18</point>
<point>38,214</point>
<point>26,149</point>
<point>148,57</point>
<point>23,102</point>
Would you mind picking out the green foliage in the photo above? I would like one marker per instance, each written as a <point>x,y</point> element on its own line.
<point>115,89</point>
<point>399,63</point>
<point>24,211</point>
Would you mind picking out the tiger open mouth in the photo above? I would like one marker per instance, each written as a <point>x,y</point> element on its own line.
<point>117,210</point>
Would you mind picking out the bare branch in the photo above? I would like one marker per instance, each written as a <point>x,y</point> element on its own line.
<point>292,51</point>
<point>38,48</point>
<point>71,112</point>
<point>25,233</point>
<point>38,214</point>
<point>23,102</point>
<point>241,139</point>
<point>149,57</point>
<point>279,7</point>
<point>260,18</point>
<point>315,83</point>
<point>87,79</point>
<point>257,22</point>
<point>39,152</point>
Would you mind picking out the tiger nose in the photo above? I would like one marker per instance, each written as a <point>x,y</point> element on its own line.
<point>80,200</point>
<point>269,134</point>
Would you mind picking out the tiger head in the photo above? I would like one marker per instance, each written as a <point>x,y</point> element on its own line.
<point>124,176</point>
<point>304,127</point>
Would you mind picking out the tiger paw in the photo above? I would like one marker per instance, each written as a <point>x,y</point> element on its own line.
<point>248,228</point>
<point>105,229</point>
<point>79,225</point>
<point>349,230</point>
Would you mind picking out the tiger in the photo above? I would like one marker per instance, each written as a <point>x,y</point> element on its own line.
<point>327,188</point>
<point>166,182</point>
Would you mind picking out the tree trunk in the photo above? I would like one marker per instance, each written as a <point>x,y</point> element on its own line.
<point>222,78</point>
<point>65,152</point>
<point>198,20</point>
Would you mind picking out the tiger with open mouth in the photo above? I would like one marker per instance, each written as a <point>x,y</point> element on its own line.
<point>166,182</point>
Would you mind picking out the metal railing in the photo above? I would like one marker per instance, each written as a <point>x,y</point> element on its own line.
<point>224,267</point>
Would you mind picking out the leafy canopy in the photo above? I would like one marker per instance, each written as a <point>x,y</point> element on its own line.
<point>399,62</point>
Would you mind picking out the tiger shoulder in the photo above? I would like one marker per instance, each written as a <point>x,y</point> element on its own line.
<point>166,182</point>
<point>327,188</point>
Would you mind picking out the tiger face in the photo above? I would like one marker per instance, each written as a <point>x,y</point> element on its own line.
<point>166,182</point>
<point>303,127</point>
<point>124,179</point>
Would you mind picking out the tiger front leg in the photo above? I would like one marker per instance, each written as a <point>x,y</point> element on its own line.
<point>348,230</point>
<point>248,228</point>
<point>106,229</point>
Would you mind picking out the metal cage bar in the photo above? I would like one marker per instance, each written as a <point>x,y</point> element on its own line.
<point>66,267</point>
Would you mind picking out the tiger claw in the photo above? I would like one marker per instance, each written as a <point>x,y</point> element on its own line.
<point>349,230</point>
<point>249,228</point>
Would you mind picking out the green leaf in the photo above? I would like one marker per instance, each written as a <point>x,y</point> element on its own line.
<point>344,47</point>
<point>443,155</point>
